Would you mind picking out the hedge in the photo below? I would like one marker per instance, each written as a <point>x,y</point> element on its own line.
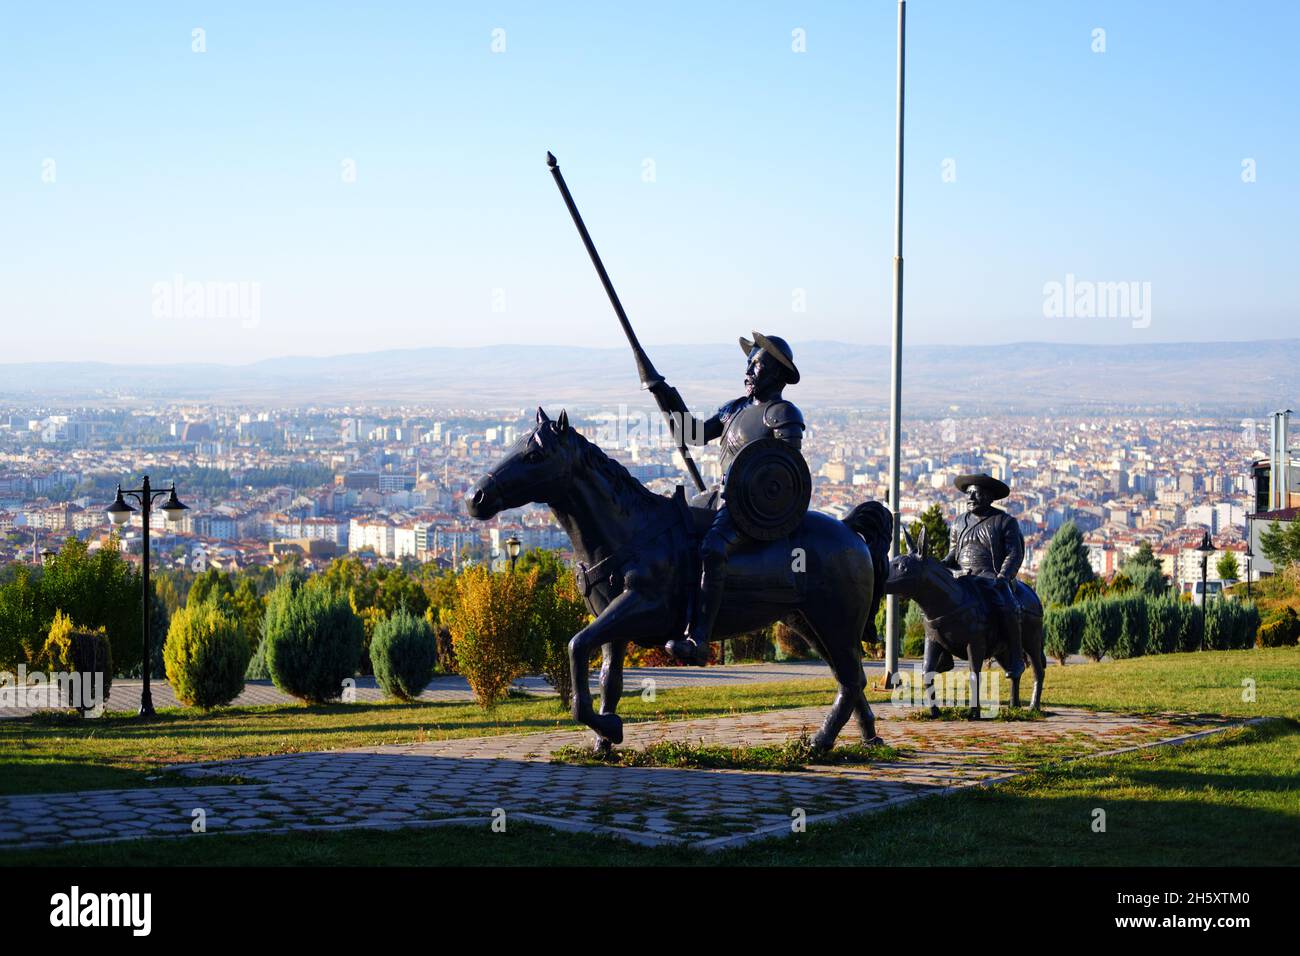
<point>1131,625</point>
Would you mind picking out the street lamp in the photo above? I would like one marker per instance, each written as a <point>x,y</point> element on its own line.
<point>1206,548</point>
<point>512,549</point>
<point>1249,555</point>
<point>119,512</point>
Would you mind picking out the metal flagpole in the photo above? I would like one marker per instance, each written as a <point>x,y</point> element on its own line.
<point>896,369</point>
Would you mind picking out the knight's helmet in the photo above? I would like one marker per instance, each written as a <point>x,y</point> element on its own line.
<point>776,347</point>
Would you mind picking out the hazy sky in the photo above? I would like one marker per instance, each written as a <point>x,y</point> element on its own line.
<point>127,160</point>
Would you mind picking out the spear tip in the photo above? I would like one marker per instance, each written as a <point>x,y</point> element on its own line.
<point>551,160</point>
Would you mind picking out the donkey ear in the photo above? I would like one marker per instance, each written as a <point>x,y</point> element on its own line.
<point>541,416</point>
<point>911,542</point>
<point>920,542</point>
<point>563,424</point>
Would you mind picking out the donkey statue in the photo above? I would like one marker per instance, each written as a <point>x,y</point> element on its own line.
<point>637,565</point>
<point>961,620</point>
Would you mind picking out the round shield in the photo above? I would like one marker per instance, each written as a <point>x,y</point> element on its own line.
<point>768,489</point>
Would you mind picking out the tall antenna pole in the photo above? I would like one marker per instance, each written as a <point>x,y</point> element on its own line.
<point>896,369</point>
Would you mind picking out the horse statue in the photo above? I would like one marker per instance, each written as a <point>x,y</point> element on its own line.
<point>637,567</point>
<point>960,619</point>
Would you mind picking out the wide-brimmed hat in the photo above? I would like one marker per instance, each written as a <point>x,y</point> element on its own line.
<point>996,488</point>
<point>776,347</point>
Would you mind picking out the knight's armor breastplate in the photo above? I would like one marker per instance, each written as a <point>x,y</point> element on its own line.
<point>743,427</point>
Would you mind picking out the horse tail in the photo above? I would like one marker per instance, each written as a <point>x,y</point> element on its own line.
<point>875,524</point>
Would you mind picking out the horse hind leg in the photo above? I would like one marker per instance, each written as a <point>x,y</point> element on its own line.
<point>845,660</point>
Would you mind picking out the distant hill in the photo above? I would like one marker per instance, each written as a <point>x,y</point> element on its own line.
<point>1038,378</point>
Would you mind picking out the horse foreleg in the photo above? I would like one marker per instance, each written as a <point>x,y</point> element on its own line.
<point>611,685</point>
<point>605,630</point>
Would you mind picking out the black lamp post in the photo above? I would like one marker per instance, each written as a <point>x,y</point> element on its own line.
<point>1249,555</point>
<point>119,512</point>
<point>1206,548</point>
<point>512,549</point>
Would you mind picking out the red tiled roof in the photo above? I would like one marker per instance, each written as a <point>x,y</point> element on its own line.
<point>1281,514</point>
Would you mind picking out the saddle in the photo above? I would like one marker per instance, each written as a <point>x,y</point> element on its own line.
<point>765,568</point>
<point>996,595</point>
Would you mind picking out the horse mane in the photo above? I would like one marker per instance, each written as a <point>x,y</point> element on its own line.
<point>594,459</point>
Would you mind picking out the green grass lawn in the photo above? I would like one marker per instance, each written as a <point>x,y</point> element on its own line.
<point>1231,800</point>
<point>1194,683</point>
<point>54,752</point>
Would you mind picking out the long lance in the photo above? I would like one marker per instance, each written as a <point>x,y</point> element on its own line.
<point>668,398</point>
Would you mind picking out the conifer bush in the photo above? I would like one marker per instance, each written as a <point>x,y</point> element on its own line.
<point>205,655</point>
<point>1062,631</point>
<point>1164,622</point>
<point>1132,636</point>
<point>313,641</point>
<point>1101,625</point>
<point>402,654</point>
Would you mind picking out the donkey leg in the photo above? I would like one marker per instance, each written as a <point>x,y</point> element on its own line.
<point>933,651</point>
<point>976,662</point>
<point>1035,648</point>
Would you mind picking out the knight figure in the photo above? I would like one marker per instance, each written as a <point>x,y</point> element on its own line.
<point>761,413</point>
<point>986,541</point>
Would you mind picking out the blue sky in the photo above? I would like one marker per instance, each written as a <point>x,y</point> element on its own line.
<point>773,171</point>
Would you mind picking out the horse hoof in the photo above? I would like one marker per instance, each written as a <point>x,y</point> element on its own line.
<point>610,727</point>
<point>934,712</point>
<point>876,741</point>
<point>602,747</point>
<point>974,713</point>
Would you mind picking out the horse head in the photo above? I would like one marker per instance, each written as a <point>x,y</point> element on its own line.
<point>539,468</point>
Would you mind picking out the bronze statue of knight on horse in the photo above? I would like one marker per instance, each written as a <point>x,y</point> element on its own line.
<point>662,571</point>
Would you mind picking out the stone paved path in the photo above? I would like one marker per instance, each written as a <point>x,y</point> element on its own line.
<point>465,781</point>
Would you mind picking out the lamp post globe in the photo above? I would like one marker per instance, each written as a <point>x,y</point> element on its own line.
<point>119,512</point>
